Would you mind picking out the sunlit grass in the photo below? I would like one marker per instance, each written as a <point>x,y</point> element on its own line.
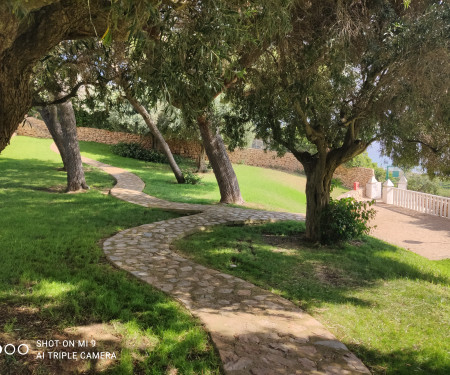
<point>389,305</point>
<point>260,187</point>
<point>54,274</point>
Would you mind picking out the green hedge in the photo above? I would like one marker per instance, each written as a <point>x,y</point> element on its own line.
<point>136,151</point>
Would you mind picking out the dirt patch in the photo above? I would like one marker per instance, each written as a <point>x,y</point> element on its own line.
<point>286,244</point>
<point>329,276</point>
<point>75,350</point>
<point>53,189</point>
<point>290,245</point>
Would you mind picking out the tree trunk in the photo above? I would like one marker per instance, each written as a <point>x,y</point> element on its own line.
<point>220,162</point>
<point>15,101</point>
<point>202,166</point>
<point>318,185</point>
<point>61,119</point>
<point>157,134</point>
<point>49,114</point>
<point>47,23</point>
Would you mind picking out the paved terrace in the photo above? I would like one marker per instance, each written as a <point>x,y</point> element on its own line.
<point>421,233</point>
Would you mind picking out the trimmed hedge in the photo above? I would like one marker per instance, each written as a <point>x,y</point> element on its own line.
<point>136,151</point>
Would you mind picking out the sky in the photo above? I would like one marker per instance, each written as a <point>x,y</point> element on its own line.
<point>374,151</point>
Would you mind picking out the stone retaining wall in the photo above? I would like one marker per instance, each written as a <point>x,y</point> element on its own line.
<point>191,149</point>
<point>266,159</point>
<point>36,128</point>
<point>357,174</point>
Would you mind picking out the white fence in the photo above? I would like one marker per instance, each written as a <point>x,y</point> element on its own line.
<point>421,202</point>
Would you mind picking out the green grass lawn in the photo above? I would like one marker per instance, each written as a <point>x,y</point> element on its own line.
<point>54,274</point>
<point>261,188</point>
<point>390,306</point>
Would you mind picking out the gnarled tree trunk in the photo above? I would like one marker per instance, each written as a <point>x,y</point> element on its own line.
<point>49,115</point>
<point>60,120</point>
<point>220,162</point>
<point>24,40</point>
<point>202,166</point>
<point>319,170</point>
<point>157,134</point>
<point>318,186</point>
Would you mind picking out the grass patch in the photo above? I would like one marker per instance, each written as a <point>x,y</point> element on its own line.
<point>54,275</point>
<point>261,188</point>
<point>389,306</point>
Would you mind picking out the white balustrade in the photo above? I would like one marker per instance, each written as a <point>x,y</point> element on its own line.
<point>421,202</point>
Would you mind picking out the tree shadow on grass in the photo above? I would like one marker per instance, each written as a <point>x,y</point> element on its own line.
<point>401,362</point>
<point>320,279</point>
<point>308,274</point>
<point>54,276</point>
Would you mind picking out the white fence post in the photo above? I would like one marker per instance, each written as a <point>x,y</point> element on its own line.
<point>373,189</point>
<point>403,183</point>
<point>388,192</point>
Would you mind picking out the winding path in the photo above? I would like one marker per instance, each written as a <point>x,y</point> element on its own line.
<point>255,332</point>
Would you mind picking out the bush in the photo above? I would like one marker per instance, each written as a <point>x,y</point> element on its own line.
<point>345,219</point>
<point>191,178</point>
<point>136,151</point>
<point>92,119</point>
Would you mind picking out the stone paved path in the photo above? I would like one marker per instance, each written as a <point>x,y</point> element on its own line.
<point>255,332</point>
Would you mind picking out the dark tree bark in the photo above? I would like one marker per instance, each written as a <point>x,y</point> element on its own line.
<point>49,115</point>
<point>157,134</point>
<point>318,186</point>
<point>202,166</point>
<point>23,42</point>
<point>220,162</point>
<point>319,169</point>
<point>60,120</point>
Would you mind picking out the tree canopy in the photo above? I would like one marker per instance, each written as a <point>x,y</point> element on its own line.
<point>349,73</point>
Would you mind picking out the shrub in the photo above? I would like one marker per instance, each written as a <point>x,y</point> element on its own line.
<point>191,178</point>
<point>345,219</point>
<point>136,151</point>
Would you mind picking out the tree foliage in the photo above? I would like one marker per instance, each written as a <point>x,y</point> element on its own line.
<point>345,76</point>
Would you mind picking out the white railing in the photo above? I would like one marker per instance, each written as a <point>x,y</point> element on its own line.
<point>421,202</point>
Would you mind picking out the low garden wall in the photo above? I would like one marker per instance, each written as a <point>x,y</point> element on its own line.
<point>266,159</point>
<point>191,149</point>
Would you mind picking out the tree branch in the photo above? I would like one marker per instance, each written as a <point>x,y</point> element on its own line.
<point>434,149</point>
<point>63,99</point>
<point>312,134</point>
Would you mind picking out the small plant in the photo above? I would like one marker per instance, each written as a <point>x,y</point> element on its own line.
<point>336,183</point>
<point>191,178</point>
<point>8,327</point>
<point>345,219</point>
<point>136,151</point>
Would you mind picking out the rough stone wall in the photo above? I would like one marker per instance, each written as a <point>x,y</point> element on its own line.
<point>36,128</point>
<point>266,159</point>
<point>192,149</point>
<point>188,149</point>
<point>350,175</point>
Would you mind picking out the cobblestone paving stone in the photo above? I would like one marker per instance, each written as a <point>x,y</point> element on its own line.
<point>255,331</point>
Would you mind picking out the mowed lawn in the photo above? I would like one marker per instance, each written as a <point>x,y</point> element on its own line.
<point>390,306</point>
<point>53,277</point>
<point>260,187</point>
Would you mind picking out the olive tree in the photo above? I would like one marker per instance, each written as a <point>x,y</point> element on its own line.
<point>350,73</point>
<point>200,53</point>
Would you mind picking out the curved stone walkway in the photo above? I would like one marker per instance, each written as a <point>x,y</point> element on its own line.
<point>255,332</point>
